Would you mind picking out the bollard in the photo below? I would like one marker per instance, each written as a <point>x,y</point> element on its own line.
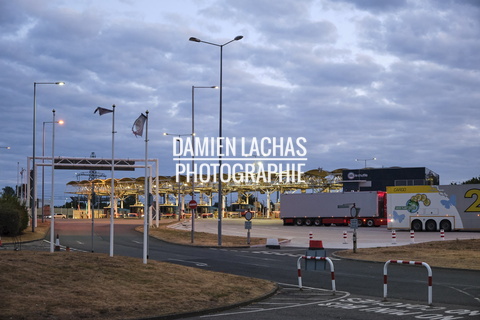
<point>332,270</point>
<point>429,280</point>
<point>57,244</point>
<point>412,236</point>
<point>394,237</point>
<point>442,234</point>
<point>310,236</point>
<point>344,237</point>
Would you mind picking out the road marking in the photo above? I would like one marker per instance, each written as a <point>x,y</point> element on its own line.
<point>286,305</point>
<point>80,242</point>
<point>419,311</point>
<point>198,264</point>
<point>275,253</point>
<point>465,293</point>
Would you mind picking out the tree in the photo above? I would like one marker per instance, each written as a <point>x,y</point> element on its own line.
<point>13,215</point>
<point>472,181</point>
<point>8,191</point>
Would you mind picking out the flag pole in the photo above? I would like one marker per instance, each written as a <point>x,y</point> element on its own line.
<point>146,204</point>
<point>112,186</point>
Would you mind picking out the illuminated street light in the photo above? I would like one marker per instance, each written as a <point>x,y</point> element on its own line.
<point>365,160</point>
<point>52,203</point>
<point>61,122</point>
<point>33,202</point>
<point>220,195</point>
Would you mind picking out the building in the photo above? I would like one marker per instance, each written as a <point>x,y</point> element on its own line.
<point>378,179</point>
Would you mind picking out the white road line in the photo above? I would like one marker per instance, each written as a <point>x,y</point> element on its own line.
<point>198,264</point>
<point>283,305</point>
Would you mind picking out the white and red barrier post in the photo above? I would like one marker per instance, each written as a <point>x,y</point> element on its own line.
<point>394,237</point>
<point>429,270</point>
<point>310,236</point>
<point>412,236</point>
<point>299,270</point>
<point>344,237</point>
<point>442,234</point>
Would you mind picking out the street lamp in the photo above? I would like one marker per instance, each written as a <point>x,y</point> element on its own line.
<point>178,195</point>
<point>43,168</point>
<point>33,202</point>
<point>193,149</point>
<point>365,160</point>
<point>52,203</point>
<point>220,195</point>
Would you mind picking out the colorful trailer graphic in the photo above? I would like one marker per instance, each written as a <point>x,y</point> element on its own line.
<point>431,208</point>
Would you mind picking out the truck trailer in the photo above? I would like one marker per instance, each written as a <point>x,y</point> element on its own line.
<point>317,209</point>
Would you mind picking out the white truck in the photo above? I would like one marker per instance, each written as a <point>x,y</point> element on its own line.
<point>432,208</point>
<point>333,208</point>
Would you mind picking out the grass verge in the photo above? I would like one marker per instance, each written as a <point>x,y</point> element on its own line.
<point>460,254</point>
<point>164,233</point>
<point>75,285</point>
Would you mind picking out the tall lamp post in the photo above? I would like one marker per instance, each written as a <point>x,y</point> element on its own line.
<point>52,203</point>
<point>33,202</point>
<point>43,168</point>
<point>193,149</point>
<point>220,195</point>
<point>365,160</point>
<point>101,111</point>
<point>178,196</point>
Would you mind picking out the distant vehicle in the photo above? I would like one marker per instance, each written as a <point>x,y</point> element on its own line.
<point>433,208</point>
<point>317,209</point>
<point>58,216</point>
<point>118,215</point>
<point>133,215</point>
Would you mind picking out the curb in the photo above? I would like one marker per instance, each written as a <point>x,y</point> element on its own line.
<point>214,310</point>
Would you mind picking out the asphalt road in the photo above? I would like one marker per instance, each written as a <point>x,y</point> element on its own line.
<point>359,285</point>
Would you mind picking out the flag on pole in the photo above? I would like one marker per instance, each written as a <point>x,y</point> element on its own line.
<point>137,127</point>
<point>102,111</point>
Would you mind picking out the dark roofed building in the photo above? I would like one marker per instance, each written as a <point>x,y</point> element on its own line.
<point>378,179</point>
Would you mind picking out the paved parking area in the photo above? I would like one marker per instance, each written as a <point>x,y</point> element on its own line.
<point>332,237</point>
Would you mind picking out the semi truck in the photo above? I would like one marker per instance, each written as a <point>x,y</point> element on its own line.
<point>317,209</point>
<point>433,208</point>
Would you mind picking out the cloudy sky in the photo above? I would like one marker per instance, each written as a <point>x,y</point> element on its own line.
<point>397,80</point>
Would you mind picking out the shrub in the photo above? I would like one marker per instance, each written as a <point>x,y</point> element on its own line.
<point>13,216</point>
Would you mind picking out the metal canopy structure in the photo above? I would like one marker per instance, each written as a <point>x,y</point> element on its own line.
<point>316,180</point>
<point>96,163</point>
<point>93,164</point>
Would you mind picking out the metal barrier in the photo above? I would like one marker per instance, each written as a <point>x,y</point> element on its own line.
<point>429,270</point>
<point>332,270</point>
